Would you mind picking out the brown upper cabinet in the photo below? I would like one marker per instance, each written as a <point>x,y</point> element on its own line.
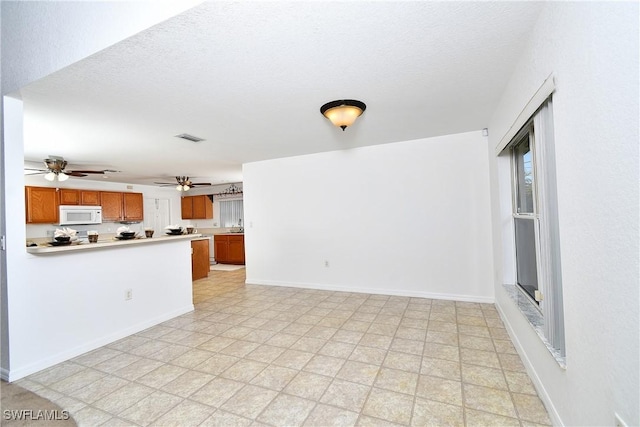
<point>89,198</point>
<point>196,207</point>
<point>70,196</point>
<point>41,205</point>
<point>118,206</point>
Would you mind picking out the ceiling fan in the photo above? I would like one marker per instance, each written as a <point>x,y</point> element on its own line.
<point>184,184</point>
<point>55,170</point>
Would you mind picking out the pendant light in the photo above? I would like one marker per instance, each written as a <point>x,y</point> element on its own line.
<point>344,112</point>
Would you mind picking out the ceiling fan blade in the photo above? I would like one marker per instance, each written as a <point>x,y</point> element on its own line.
<point>35,172</point>
<point>85,172</point>
<point>193,184</point>
<point>164,183</point>
<point>34,169</point>
<point>75,173</point>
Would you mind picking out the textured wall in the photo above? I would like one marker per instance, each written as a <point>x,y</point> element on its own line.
<point>592,49</point>
<point>407,218</point>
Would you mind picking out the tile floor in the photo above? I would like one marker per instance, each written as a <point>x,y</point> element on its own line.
<point>274,356</point>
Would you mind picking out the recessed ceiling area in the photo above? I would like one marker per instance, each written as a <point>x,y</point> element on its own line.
<point>250,77</point>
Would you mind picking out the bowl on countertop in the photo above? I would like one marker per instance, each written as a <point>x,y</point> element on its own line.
<point>62,239</point>
<point>174,231</point>
<point>128,234</point>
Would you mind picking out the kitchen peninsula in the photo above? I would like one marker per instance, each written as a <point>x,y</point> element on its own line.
<point>93,294</point>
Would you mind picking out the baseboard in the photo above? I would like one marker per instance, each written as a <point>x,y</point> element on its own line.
<point>363,290</point>
<point>531,371</point>
<point>16,374</point>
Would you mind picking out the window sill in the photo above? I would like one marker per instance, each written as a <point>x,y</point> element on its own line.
<point>535,319</point>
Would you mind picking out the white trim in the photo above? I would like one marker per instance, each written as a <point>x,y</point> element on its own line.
<point>554,415</point>
<point>376,291</point>
<point>538,98</point>
<point>16,374</point>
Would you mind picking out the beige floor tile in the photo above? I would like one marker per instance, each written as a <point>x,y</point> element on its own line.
<point>440,390</point>
<point>239,348</point>
<point>530,408</point>
<point>407,346</point>
<point>484,376</point>
<point>441,368</point>
<point>366,421</point>
<point>186,412</point>
<point>477,343</point>
<point>274,377</point>
<point>216,364</point>
<point>499,333</point>
<point>438,337</point>
<point>471,320</point>
<point>265,353</point>
<point>161,376</point>
<point>98,389</point>
<point>169,353</point>
<point>511,362</point>
<point>226,419</point>
<point>519,382</point>
<point>56,373</point>
<point>504,346</point>
<point>123,398</point>
<point>370,355</point>
<point>377,341</point>
<point>90,416</point>
<point>441,351</point>
<point>243,370</point>
<point>329,416</point>
<point>337,349</point>
<point>362,373</point>
<point>322,332</point>
<point>389,405</point>
<point>249,401</point>
<point>403,361</point>
<point>478,357</point>
<point>411,333</point>
<point>192,358</point>
<point>118,362</point>
<point>346,395</point>
<point>414,323</point>
<point>129,343</point>
<point>430,413</point>
<point>438,326</point>
<point>297,329</point>
<point>356,325</point>
<point>437,316</point>
<point>94,357</point>
<point>283,340</point>
<point>216,344</point>
<point>259,336</point>
<point>398,381</point>
<point>308,385</point>
<point>286,410</point>
<point>152,407</point>
<point>484,419</point>
<point>188,383</point>
<point>216,392</point>
<point>293,359</point>
<point>309,344</point>
<point>324,365</point>
<point>382,329</point>
<point>479,331</point>
<point>77,381</point>
<point>349,337</point>
<point>236,332</point>
<point>488,400</point>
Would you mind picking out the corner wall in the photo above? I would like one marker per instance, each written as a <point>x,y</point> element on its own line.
<point>592,50</point>
<point>407,218</point>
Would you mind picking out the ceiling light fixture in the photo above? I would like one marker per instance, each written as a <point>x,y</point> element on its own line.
<point>344,112</point>
<point>55,175</point>
<point>183,187</point>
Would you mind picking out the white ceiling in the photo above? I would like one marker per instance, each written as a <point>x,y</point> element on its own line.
<point>250,78</point>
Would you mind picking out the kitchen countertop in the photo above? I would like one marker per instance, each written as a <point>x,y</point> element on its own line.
<point>109,243</point>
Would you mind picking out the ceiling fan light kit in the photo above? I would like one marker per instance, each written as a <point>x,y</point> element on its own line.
<point>344,112</point>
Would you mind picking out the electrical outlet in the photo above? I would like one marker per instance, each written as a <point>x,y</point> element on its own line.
<point>128,294</point>
<point>326,263</point>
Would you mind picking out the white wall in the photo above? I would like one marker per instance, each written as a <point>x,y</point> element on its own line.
<point>408,218</point>
<point>592,49</point>
<point>39,38</point>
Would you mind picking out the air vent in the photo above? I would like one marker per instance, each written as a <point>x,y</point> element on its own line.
<point>189,137</point>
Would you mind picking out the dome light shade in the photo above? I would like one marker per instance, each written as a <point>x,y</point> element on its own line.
<point>51,176</point>
<point>344,112</point>
<point>62,177</point>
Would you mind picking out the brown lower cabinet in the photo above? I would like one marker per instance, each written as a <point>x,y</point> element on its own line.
<point>229,248</point>
<point>199,259</point>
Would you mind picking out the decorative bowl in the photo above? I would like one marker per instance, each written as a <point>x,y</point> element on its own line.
<point>62,239</point>
<point>128,234</point>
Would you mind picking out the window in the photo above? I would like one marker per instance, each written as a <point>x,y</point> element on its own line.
<point>231,213</point>
<point>535,223</point>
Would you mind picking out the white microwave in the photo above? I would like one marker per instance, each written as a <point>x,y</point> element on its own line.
<point>76,215</point>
